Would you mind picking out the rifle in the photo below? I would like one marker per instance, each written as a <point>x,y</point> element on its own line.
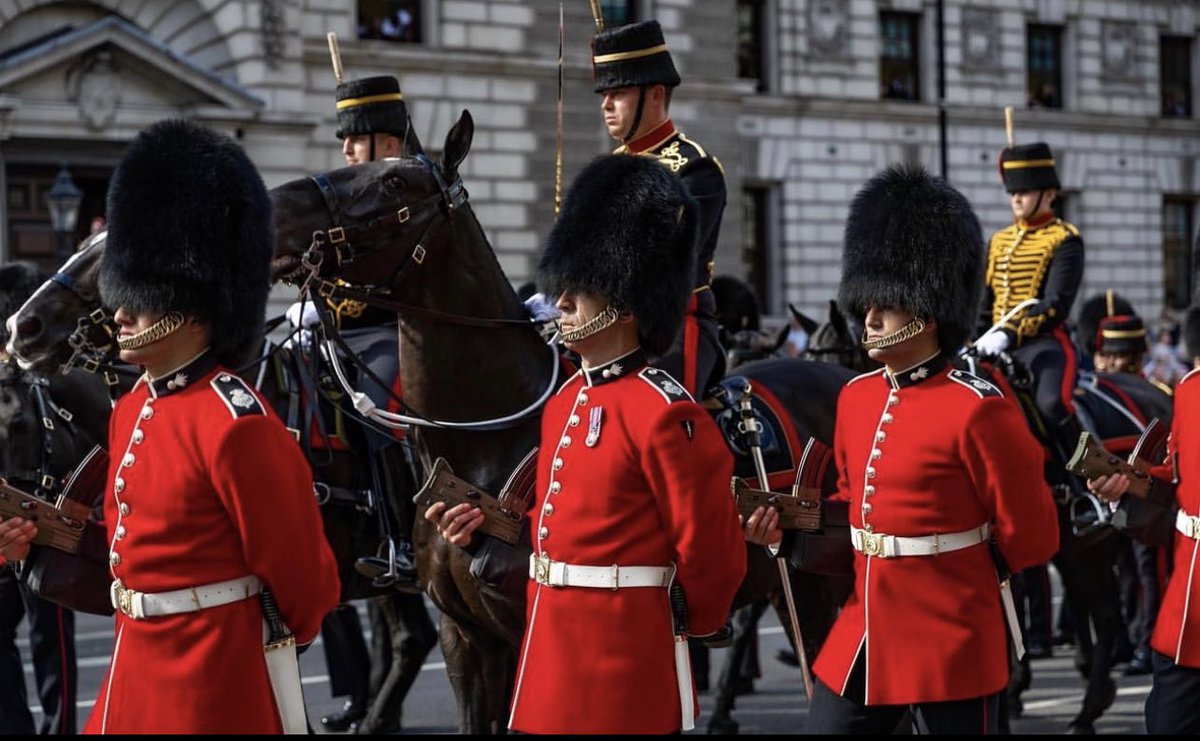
<point>1091,460</point>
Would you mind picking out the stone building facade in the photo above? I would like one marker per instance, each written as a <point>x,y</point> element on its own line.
<point>801,100</point>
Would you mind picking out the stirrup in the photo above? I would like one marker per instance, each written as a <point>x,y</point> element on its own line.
<point>384,572</point>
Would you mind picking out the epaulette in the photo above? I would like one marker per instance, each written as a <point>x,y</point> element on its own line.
<point>865,375</point>
<point>1071,228</point>
<point>237,395</point>
<point>981,387</point>
<point>664,384</point>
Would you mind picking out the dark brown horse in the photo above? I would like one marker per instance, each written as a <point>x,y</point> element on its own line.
<point>475,371</point>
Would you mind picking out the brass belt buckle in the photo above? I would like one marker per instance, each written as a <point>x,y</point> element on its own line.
<point>124,599</point>
<point>541,570</point>
<point>872,543</point>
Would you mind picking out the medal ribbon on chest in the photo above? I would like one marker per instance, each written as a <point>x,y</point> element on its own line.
<point>594,418</point>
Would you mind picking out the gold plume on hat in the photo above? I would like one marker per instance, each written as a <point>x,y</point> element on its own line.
<point>597,15</point>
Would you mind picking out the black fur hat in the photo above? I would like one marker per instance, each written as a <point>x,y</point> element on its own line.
<point>1191,332</point>
<point>1028,167</point>
<point>912,242</point>
<point>1097,307</point>
<point>632,56</point>
<point>737,308</point>
<point>190,230</point>
<point>627,233</point>
<point>372,105</point>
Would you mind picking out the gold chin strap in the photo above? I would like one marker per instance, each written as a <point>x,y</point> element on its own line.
<point>905,333</point>
<point>599,323</point>
<point>155,332</point>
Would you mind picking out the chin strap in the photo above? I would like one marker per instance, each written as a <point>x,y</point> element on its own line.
<point>601,322</point>
<point>905,333</point>
<point>637,117</point>
<point>155,332</point>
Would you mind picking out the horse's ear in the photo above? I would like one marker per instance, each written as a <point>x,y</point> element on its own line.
<point>458,143</point>
<point>807,323</point>
<point>838,320</point>
<point>784,332</point>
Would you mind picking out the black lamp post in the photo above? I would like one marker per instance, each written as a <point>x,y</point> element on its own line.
<point>63,202</point>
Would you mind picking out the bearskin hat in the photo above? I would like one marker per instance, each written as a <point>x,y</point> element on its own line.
<point>1092,311</point>
<point>1191,332</point>
<point>737,308</point>
<point>372,105</point>
<point>912,242</point>
<point>190,230</point>
<point>1028,167</point>
<point>632,56</point>
<point>627,234</point>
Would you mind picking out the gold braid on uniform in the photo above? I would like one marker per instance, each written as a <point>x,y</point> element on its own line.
<point>155,332</point>
<point>904,334</point>
<point>599,323</point>
<point>347,307</point>
<point>1018,262</point>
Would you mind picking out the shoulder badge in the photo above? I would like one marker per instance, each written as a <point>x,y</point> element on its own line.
<point>664,384</point>
<point>981,387</point>
<point>237,395</point>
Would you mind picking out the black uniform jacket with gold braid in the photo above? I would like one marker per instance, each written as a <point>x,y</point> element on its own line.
<point>1042,260</point>
<point>704,179</point>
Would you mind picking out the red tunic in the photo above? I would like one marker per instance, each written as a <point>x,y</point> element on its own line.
<point>206,486</point>
<point>929,451</point>
<point>1177,630</point>
<point>652,489</point>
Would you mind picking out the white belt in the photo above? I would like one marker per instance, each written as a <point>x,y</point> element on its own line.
<point>140,605</point>
<point>551,573</point>
<point>894,546</point>
<point>1187,525</point>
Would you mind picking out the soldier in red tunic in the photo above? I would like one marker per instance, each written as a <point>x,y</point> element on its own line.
<point>1172,706</point>
<point>209,499</point>
<point>633,476</point>
<point>931,460</point>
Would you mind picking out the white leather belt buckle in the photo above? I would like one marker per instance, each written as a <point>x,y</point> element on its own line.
<point>1187,525</point>
<point>140,605</point>
<point>895,546</point>
<point>551,573</point>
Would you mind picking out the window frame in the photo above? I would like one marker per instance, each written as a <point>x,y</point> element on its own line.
<point>913,21</point>
<point>1187,69</point>
<point>1057,35</point>
<point>1177,251</point>
<point>419,22</point>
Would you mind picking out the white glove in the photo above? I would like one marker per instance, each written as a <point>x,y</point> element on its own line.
<point>992,343</point>
<point>540,308</point>
<point>303,314</point>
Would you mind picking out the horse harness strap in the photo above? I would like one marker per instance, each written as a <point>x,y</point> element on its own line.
<point>334,292</point>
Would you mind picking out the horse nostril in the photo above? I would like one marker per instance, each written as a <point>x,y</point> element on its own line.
<point>28,327</point>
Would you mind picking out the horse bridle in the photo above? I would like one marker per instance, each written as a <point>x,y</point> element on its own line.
<point>44,482</point>
<point>85,353</point>
<point>338,243</point>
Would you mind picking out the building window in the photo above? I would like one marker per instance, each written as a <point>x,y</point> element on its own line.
<point>1175,76</point>
<point>390,20</point>
<point>1178,228</point>
<point>756,239</point>
<point>750,39</point>
<point>618,12</point>
<point>899,63</point>
<point>1044,66</point>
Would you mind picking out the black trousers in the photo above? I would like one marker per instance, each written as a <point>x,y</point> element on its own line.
<point>346,654</point>
<point>703,353</point>
<point>1173,706</point>
<point>1051,360</point>
<point>52,649</point>
<point>831,713</point>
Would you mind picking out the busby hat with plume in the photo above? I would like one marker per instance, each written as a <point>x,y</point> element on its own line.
<point>372,105</point>
<point>912,242</point>
<point>632,56</point>
<point>190,231</point>
<point>1028,167</point>
<point>627,234</point>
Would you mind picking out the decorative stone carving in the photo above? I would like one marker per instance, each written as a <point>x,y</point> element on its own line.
<point>273,29</point>
<point>981,38</point>
<point>828,27</point>
<point>1118,49</point>
<point>99,90</point>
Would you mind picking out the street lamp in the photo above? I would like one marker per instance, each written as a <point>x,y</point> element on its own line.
<point>63,201</point>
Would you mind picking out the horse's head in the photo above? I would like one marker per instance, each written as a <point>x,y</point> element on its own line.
<point>338,224</point>
<point>61,317</point>
<point>836,342</point>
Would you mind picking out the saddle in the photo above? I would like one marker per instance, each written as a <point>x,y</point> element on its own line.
<point>781,446</point>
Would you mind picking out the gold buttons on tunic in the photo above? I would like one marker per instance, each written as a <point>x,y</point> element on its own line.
<point>127,461</point>
<point>138,436</point>
<point>574,420</point>
<point>558,464</point>
<point>119,485</point>
<point>565,442</point>
<point>547,509</point>
<point>876,453</point>
<point>114,558</point>
<point>147,412</point>
<point>543,533</point>
<point>124,508</point>
<point>880,436</point>
<point>866,508</point>
<point>868,490</point>
<point>120,532</point>
<point>870,472</point>
<point>887,418</point>
<point>555,487</point>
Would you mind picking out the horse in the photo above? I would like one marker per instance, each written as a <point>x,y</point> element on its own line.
<point>1116,408</point>
<point>63,327</point>
<point>401,234</point>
